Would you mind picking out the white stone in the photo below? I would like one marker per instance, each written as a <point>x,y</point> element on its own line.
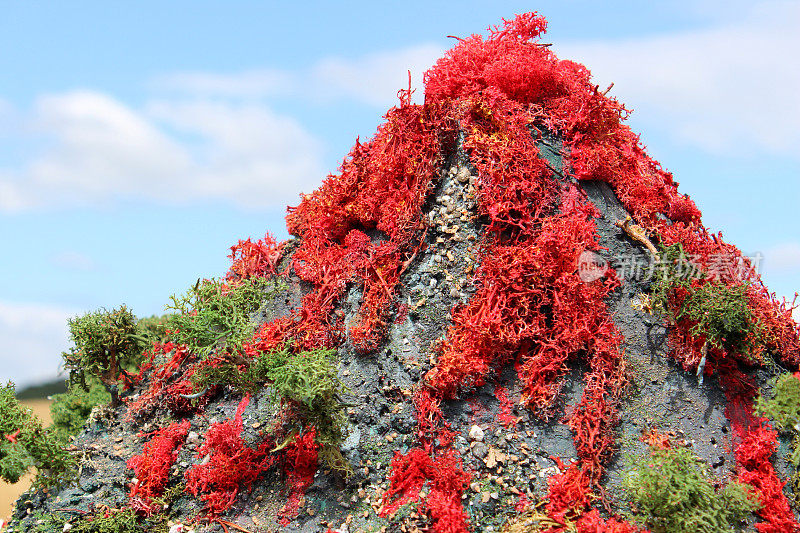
<point>180,528</point>
<point>475,433</point>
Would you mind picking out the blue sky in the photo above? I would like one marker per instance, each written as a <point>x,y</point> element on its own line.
<point>138,141</point>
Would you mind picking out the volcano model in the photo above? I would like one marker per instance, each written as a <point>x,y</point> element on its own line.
<point>500,315</point>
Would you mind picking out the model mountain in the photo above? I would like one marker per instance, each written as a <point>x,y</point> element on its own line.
<point>499,315</point>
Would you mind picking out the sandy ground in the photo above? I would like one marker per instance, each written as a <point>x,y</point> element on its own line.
<point>10,493</point>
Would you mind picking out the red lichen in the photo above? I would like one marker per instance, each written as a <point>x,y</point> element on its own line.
<point>151,467</point>
<point>442,473</point>
<point>505,416</point>
<point>362,227</point>
<point>754,443</point>
<point>259,258</point>
<point>300,466</point>
<point>231,464</point>
<point>169,382</point>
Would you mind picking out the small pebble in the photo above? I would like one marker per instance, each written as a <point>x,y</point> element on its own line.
<point>476,433</point>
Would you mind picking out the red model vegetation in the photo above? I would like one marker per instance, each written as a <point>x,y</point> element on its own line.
<point>153,465</point>
<point>232,464</point>
<point>502,94</point>
<point>300,466</point>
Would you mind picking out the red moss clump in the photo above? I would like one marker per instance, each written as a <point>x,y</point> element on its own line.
<point>169,382</point>
<point>259,258</point>
<point>151,468</point>
<point>591,522</point>
<point>436,463</point>
<point>362,227</point>
<point>756,470</point>
<point>232,464</point>
<point>523,70</point>
<point>755,442</point>
<point>505,416</point>
<point>446,480</point>
<point>300,466</point>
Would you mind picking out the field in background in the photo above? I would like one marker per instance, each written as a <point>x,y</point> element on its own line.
<point>10,493</point>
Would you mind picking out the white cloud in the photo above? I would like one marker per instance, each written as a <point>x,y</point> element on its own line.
<point>101,150</point>
<point>252,83</point>
<point>212,137</point>
<point>5,111</point>
<point>375,78</point>
<point>783,258</point>
<point>728,88</point>
<point>372,79</point>
<point>12,196</point>
<point>248,154</point>
<point>34,335</point>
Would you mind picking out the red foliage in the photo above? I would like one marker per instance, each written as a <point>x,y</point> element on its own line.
<point>151,468</point>
<point>505,416</point>
<point>755,443</point>
<point>435,463</point>
<point>756,470</point>
<point>445,478</point>
<point>259,258</point>
<point>361,227</point>
<point>231,465</point>
<point>525,71</point>
<point>300,466</point>
<point>570,492</point>
<point>591,522</point>
<point>656,439</point>
<point>168,381</point>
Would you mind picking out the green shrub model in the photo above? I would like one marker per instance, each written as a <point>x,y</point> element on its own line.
<point>106,343</point>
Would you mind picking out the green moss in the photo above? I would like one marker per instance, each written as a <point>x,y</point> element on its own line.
<point>154,327</point>
<point>720,313</point>
<point>25,444</point>
<point>307,379</point>
<point>310,380</point>
<point>215,316</point>
<point>670,492</point>
<point>114,521</point>
<point>71,409</point>
<point>250,380</point>
<point>783,407</point>
<point>717,311</point>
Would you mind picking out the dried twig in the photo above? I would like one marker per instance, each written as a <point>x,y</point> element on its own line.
<point>637,233</point>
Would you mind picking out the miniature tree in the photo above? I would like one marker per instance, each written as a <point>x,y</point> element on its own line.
<point>105,344</point>
<point>26,444</point>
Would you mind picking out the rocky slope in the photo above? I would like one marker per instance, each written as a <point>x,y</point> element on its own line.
<point>472,272</point>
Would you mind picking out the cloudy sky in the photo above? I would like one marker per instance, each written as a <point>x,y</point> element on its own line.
<point>138,141</point>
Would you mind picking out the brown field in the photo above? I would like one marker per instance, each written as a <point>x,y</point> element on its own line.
<point>10,493</point>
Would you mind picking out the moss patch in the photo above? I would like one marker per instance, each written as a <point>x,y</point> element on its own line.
<point>670,492</point>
